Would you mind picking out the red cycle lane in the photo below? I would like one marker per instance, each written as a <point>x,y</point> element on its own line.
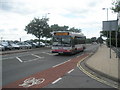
<point>42,79</point>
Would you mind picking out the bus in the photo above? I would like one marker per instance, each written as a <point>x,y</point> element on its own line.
<point>67,42</point>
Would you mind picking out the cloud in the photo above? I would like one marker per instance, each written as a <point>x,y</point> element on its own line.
<point>2,30</point>
<point>12,6</point>
<point>85,14</point>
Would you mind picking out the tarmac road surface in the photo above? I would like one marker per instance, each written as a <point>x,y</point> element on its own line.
<point>41,68</point>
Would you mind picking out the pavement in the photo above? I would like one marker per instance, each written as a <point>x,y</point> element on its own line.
<point>101,63</point>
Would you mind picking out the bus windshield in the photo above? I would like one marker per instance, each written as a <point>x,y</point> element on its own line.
<point>61,41</point>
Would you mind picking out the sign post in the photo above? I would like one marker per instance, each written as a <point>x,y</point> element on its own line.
<point>111,26</point>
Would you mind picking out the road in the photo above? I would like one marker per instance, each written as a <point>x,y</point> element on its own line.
<point>58,71</point>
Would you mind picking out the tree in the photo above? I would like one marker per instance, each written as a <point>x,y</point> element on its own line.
<point>75,30</point>
<point>38,27</point>
<point>56,27</point>
<point>93,39</point>
<point>100,40</point>
<point>116,6</point>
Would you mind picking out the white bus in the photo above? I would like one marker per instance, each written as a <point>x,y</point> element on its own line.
<point>68,42</point>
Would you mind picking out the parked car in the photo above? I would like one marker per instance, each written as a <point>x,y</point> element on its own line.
<point>34,45</point>
<point>7,45</point>
<point>47,45</point>
<point>28,46</point>
<point>22,45</point>
<point>42,44</point>
<point>15,46</point>
<point>2,48</point>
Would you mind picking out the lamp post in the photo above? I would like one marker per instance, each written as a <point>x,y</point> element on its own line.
<point>107,18</point>
<point>108,32</point>
<point>107,12</point>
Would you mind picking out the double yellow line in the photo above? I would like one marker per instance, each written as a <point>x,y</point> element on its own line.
<point>93,76</point>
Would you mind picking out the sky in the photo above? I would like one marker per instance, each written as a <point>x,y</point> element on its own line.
<point>82,14</point>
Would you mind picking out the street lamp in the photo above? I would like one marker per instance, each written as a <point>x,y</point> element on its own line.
<point>107,17</point>
<point>107,12</point>
<point>108,32</point>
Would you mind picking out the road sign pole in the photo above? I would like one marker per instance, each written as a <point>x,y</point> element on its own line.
<point>110,43</point>
<point>116,44</point>
<point>111,26</point>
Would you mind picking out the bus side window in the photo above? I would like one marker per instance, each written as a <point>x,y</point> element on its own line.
<point>72,42</point>
<point>79,40</point>
<point>76,41</point>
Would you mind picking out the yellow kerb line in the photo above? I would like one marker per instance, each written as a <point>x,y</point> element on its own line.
<point>91,75</point>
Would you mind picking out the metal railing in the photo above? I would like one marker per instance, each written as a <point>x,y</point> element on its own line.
<point>117,51</point>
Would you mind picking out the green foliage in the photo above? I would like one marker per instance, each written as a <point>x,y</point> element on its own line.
<point>56,27</point>
<point>93,39</point>
<point>113,36</point>
<point>113,42</point>
<point>106,34</point>
<point>88,40</point>
<point>38,27</point>
<point>75,30</point>
<point>100,40</point>
<point>116,6</point>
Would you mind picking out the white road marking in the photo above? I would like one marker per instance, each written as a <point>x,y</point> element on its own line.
<point>61,63</point>
<point>8,58</point>
<point>32,81</point>
<point>57,65</point>
<point>68,60</point>
<point>13,57</point>
<point>37,56</point>
<point>56,80</point>
<point>19,59</point>
<point>32,60</point>
<point>70,71</point>
<point>49,53</point>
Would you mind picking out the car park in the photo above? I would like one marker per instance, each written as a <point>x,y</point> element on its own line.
<point>34,45</point>
<point>15,46</point>
<point>22,45</point>
<point>42,44</point>
<point>28,46</point>
<point>2,48</point>
<point>7,45</point>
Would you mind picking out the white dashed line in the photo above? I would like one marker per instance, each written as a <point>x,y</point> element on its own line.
<point>49,53</point>
<point>32,60</point>
<point>58,64</point>
<point>19,59</point>
<point>61,63</point>
<point>37,56</point>
<point>56,80</point>
<point>70,71</point>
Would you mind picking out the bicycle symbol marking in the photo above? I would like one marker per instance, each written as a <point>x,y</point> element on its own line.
<point>32,81</point>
